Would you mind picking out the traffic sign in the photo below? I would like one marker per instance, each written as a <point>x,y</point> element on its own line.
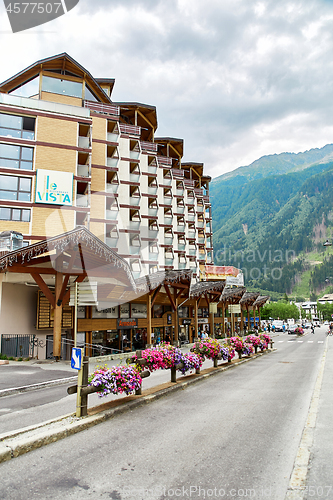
<point>76,359</point>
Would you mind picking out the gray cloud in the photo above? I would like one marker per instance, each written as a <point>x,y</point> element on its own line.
<point>235,79</point>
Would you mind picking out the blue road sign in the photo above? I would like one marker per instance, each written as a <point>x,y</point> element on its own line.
<point>76,359</point>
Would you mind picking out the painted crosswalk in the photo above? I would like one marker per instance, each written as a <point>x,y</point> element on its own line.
<point>301,341</point>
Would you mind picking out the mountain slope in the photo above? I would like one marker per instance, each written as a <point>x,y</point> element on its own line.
<point>267,225</point>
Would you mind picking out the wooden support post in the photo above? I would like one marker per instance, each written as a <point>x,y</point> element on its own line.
<point>57,317</point>
<point>173,375</point>
<point>211,324</point>
<point>177,321</point>
<point>223,317</point>
<point>196,319</point>
<point>248,319</point>
<point>148,319</point>
<point>242,321</point>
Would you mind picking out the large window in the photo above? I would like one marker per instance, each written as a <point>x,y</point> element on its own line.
<point>17,126</point>
<point>15,188</point>
<point>16,156</point>
<point>59,86</point>
<point>16,214</point>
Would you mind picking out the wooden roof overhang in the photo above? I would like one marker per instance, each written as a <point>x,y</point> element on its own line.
<point>232,295</point>
<point>177,145</point>
<point>196,167</point>
<point>145,114</point>
<point>163,287</point>
<point>249,299</point>
<point>62,62</point>
<point>261,300</point>
<point>210,291</point>
<point>77,255</point>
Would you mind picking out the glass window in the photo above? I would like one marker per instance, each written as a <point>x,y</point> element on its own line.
<point>88,95</point>
<point>16,156</point>
<point>59,86</point>
<point>15,188</point>
<point>17,126</point>
<point>16,214</point>
<point>28,89</point>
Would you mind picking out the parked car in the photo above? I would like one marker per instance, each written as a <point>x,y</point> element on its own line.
<point>292,328</point>
<point>307,325</point>
<point>277,325</point>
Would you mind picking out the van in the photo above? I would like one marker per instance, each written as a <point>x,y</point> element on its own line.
<point>278,325</point>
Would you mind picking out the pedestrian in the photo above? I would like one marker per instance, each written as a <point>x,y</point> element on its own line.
<point>312,328</point>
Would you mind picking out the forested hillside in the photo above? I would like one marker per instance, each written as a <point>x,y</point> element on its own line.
<point>268,226</point>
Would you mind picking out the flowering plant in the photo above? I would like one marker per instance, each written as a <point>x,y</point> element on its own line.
<point>190,361</point>
<point>160,357</point>
<point>266,338</point>
<point>237,343</point>
<point>228,351</point>
<point>299,330</point>
<point>115,380</point>
<point>247,349</point>
<point>209,348</point>
<point>253,339</point>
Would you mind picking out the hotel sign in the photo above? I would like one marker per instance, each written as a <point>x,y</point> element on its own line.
<point>127,324</point>
<point>54,188</point>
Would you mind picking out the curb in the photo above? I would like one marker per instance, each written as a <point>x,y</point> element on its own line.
<point>27,439</point>
<point>34,387</point>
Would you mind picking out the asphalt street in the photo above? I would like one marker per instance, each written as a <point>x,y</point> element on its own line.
<point>234,435</point>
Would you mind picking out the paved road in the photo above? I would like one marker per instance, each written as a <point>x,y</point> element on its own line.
<point>234,435</point>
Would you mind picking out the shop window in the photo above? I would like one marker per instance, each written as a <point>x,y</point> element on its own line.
<point>15,214</point>
<point>16,157</point>
<point>183,312</point>
<point>15,188</point>
<point>17,126</point>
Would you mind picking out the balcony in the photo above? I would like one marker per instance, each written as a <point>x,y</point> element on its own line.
<point>167,181</point>
<point>111,188</point>
<point>82,200</point>
<point>191,233</point>
<point>152,170</point>
<point>134,177</point>
<point>112,162</point>
<point>111,242</point>
<point>192,252</point>
<point>111,137</point>
<point>136,274</point>
<point>134,224</point>
<point>168,240</point>
<point>168,262</point>
<point>83,170</point>
<point>152,212</point>
<point>134,155</point>
<point>193,264</point>
<point>181,246</point>
<point>200,208</point>
<point>200,224</point>
<point>149,146</point>
<point>84,142</point>
<point>107,109</point>
<point>153,256</point>
<point>181,265</point>
<point>152,190</point>
<point>180,210</point>
<point>134,201</point>
<point>181,228</point>
<point>190,200</point>
<point>129,129</point>
<point>134,250</point>
<point>191,218</point>
<point>179,192</point>
<point>111,214</point>
<point>167,200</point>
<point>168,220</point>
<point>152,233</point>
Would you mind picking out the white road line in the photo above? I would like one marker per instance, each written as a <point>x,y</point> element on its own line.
<point>320,341</point>
<point>310,341</point>
<point>280,341</point>
<point>301,341</point>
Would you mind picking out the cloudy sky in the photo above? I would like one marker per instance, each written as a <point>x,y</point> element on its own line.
<point>236,79</point>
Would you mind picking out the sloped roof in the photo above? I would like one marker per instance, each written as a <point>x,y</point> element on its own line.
<point>58,62</point>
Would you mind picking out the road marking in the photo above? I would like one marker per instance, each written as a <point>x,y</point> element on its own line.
<point>280,341</point>
<point>320,341</point>
<point>297,484</point>
<point>300,341</point>
<point>310,341</point>
<point>5,410</point>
